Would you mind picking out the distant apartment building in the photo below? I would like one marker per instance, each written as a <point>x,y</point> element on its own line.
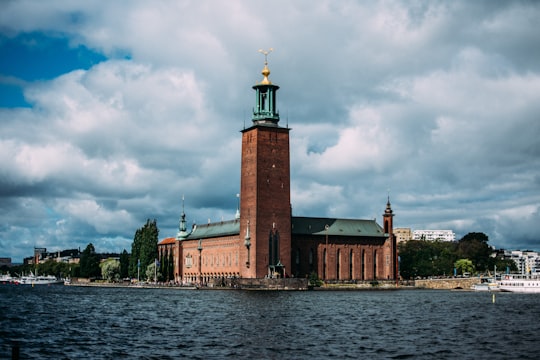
<point>41,255</point>
<point>432,235</point>
<point>526,261</point>
<point>402,234</point>
<point>5,261</point>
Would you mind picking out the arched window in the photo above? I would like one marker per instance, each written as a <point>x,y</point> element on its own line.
<point>338,263</point>
<point>363,265</point>
<point>375,264</point>
<point>273,247</point>
<point>351,263</point>
<point>324,264</point>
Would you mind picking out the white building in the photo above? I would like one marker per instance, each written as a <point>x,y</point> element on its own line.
<point>403,234</point>
<point>432,235</point>
<point>526,261</point>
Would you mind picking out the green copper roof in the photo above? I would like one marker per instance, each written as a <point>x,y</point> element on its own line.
<point>300,226</point>
<point>217,229</point>
<point>336,227</point>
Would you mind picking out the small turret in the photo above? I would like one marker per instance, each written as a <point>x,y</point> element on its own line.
<point>182,229</point>
<point>387,218</point>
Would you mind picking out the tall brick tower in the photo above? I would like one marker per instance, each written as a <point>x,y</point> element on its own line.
<point>265,196</point>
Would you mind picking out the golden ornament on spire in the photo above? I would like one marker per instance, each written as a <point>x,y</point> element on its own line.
<point>266,71</point>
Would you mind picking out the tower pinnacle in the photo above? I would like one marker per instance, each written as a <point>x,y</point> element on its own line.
<point>182,230</point>
<point>265,71</point>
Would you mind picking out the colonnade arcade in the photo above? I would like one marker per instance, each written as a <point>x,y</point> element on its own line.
<point>209,278</point>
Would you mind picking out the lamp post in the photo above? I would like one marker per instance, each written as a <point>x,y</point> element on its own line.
<point>247,243</point>
<point>200,261</point>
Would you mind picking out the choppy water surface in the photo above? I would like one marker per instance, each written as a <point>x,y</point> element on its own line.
<point>58,322</point>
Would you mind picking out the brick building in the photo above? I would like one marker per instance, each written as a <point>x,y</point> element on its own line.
<point>265,240</point>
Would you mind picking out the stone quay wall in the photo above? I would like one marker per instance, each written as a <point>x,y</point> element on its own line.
<point>272,284</point>
<point>446,283</point>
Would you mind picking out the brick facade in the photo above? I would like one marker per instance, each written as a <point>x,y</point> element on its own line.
<point>265,197</point>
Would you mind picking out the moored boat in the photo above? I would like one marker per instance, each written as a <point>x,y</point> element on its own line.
<point>486,284</point>
<point>8,279</point>
<point>40,280</point>
<point>520,283</point>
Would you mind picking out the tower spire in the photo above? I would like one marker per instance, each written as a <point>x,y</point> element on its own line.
<point>182,229</point>
<point>266,71</point>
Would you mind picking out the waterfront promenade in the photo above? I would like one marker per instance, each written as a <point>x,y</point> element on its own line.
<point>299,284</point>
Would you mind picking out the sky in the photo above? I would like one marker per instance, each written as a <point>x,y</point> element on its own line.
<point>112,112</point>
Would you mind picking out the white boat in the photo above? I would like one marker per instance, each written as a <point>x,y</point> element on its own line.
<point>520,283</point>
<point>7,279</point>
<point>40,280</point>
<point>486,284</point>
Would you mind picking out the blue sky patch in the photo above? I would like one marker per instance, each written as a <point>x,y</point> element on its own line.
<point>38,56</point>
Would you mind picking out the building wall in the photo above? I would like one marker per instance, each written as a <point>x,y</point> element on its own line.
<point>430,235</point>
<point>403,234</point>
<point>218,258</point>
<point>5,261</point>
<point>347,258</point>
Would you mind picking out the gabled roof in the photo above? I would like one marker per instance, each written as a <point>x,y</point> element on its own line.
<point>166,241</point>
<point>336,227</point>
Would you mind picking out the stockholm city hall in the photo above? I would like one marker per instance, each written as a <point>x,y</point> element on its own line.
<point>264,240</point>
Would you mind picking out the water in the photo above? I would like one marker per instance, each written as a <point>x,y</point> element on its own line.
<point>60,322</point>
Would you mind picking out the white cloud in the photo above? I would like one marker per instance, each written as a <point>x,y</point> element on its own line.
<point>435,101</point>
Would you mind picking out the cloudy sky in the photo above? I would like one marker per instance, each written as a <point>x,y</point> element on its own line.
<point>111,111</point>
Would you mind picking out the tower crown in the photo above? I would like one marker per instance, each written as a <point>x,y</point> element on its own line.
<point>265,112</point>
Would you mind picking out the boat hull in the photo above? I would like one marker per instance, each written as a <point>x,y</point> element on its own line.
<point>520,284</point>
<point>40,280</point>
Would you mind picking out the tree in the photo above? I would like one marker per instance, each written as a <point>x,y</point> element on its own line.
<point>124,264</point>
<point>110,270</point>
<point>152,272</point>
<point>422,258</point>
<point>474,246</point>
<point>500,264</point>
<point>170,268</point>
<point>134,260</point>
<point>163,265</point>
<point>144,247</point>
<point>464,266</point>
<point>51,267</point>
<point>89,263</point>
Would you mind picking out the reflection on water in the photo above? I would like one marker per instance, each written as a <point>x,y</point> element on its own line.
<point>103,323</point>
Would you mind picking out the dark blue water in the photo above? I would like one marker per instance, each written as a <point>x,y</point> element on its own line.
<point>60,322</point>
